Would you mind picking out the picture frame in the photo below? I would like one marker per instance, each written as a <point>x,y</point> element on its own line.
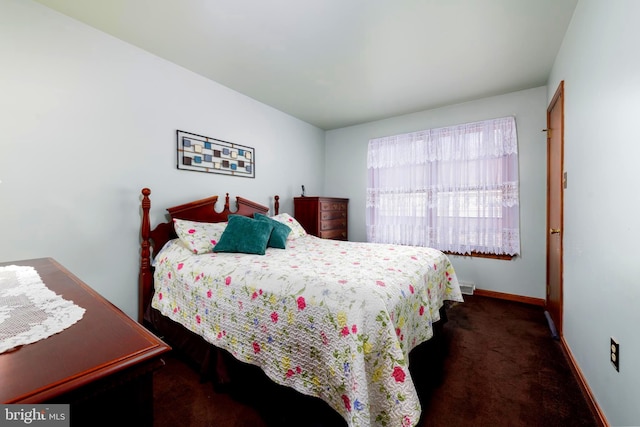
<point>211,155</point>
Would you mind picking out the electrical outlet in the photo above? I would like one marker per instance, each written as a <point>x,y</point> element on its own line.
<point>615,354</point>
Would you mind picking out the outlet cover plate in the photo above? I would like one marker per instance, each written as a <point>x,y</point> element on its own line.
<point>614,351</point>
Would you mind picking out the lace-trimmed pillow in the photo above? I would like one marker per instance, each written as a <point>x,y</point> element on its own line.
<point>296,229</point>
<point>199,237</point>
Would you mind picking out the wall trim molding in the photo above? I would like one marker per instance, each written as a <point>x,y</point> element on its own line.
<point>591,401</point>
<point>510,297</point>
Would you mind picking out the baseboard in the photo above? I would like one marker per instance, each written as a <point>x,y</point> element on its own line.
<point>510,297</point>
<point>591,401</point>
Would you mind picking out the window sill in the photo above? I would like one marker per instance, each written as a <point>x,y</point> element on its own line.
<point>481,255</point>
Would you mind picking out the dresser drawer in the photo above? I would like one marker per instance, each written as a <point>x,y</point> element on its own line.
<point>333,206</point>
<point>334,234</point>
<point>325,215</point>
<point>332,224</point>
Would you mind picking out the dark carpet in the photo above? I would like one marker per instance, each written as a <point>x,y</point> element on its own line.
<point>502,369</point>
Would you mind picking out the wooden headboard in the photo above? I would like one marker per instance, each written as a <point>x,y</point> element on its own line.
<point>202,210</point>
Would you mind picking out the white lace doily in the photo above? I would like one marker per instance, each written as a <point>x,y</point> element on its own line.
<point>29,311</point>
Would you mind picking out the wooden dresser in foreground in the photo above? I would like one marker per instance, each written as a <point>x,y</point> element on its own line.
<point>325,217</point>
<point>102,366</point>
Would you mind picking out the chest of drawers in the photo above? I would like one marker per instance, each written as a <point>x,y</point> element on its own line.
<point>325,217</point>
<point>102,366</point>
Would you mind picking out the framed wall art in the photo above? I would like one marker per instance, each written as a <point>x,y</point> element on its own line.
<point>203,154</point>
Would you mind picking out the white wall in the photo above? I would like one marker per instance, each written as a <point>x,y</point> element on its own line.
<point>600,64</point>
<point>346,176</point>
<point>87,121</point>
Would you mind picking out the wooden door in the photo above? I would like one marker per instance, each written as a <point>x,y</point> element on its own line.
<point>556,181</point>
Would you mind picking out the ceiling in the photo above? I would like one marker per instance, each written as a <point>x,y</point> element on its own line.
<point>336,63</point>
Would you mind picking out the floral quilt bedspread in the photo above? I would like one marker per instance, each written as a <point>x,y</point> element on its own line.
<point>331,319</point>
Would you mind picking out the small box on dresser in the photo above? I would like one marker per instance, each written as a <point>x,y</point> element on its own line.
<point>325,217</point>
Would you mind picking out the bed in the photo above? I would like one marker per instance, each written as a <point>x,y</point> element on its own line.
<point>337,320</point>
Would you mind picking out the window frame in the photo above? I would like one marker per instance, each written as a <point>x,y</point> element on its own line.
<point>487,242</point>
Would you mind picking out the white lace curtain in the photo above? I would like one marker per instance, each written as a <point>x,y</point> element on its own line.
<point>453,188</point>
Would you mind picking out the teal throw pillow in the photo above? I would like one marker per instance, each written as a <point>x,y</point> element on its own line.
<point>244,235</point>
<point>279,234</point>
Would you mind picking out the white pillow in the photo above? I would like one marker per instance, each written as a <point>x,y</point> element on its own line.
<point>296,229</point>
<point>199,237</point>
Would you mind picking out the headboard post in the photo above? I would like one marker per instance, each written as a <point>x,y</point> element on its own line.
<point>276,205</point>
<point>145,277</point>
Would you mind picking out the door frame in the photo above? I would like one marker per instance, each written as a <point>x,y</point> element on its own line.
<point>551,180</point>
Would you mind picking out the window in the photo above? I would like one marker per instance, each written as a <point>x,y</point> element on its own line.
<point>452,188</point>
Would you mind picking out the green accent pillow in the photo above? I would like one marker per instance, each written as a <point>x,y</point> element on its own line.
<point>245,235</point>
<point>279,233</point>
<point>296,229</point>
